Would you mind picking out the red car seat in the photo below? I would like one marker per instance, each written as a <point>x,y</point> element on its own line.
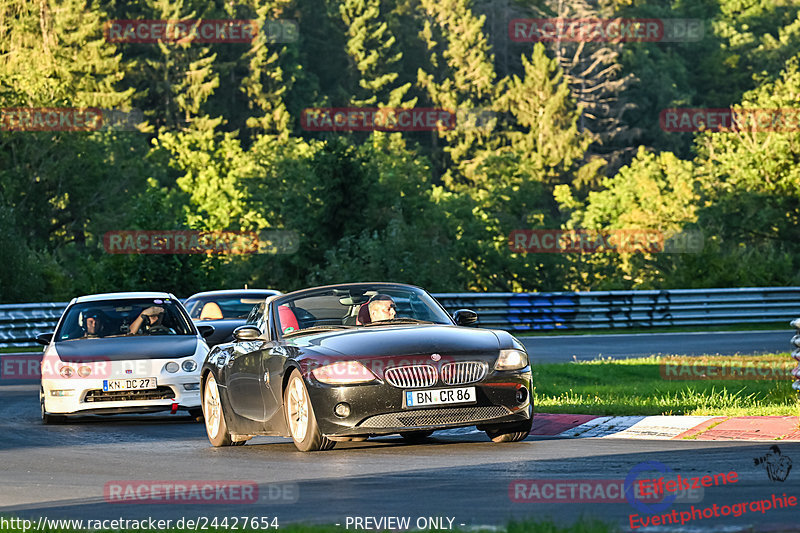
<point>287,318</point>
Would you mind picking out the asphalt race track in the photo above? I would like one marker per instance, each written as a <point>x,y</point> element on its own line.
<point>61,471</point>
<point>458,478</point>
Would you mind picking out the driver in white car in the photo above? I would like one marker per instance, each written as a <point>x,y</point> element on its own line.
<point>93,325</point>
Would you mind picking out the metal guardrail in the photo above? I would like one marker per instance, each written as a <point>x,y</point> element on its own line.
<point>20,323</point>
<point>521,312</point>
<point>796,353</point>
<point>545,311</point>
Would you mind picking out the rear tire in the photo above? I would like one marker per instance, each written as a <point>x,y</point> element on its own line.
<point>513,432</point>
<point>216,428</point>
<point>300,417</point>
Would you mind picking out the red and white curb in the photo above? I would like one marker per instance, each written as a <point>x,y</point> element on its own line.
<point>783,428</point>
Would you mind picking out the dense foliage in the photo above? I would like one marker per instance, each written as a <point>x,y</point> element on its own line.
<point>572,140</point>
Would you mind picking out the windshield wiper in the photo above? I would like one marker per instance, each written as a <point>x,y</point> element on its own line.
<point>401,320</point>
<point>317,328</point>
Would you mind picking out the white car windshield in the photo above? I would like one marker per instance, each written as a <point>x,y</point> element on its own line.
<point>122,317</point>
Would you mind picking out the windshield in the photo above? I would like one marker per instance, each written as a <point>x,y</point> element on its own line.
<point>219,307</point>
<point>355,307</point>
<point>113,318</point>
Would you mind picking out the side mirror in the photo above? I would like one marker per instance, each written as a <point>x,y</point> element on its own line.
<point>44,338</point>
<point>205,331</point>
<point>246,333</point>
<point>465,317</point>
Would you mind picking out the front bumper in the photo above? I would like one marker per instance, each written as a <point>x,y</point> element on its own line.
<point>86,396</point>
<point>377,409</point>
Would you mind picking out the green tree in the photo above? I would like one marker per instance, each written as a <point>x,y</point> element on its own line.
<point>57,182</point>
<point>373,51</point>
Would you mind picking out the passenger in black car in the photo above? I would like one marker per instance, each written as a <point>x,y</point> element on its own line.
<point>380,307</point>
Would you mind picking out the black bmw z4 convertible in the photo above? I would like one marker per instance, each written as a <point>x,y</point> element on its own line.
<point>350,361</point>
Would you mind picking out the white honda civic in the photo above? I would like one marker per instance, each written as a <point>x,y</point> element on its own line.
<point>125,352</point>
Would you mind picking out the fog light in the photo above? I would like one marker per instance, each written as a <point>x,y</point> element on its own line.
<point>62,392</point>
<point>84,371</point>
<point>67,371</point>
<point>189,365</point>
<point>522,395</point>
<point>172,367</point>
<point>342,410</point>
<point>191,386</point>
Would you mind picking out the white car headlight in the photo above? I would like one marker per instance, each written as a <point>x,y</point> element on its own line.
<point>189,365</point>
<point>511,360</point>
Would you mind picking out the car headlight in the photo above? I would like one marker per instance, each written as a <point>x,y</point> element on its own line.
<point>171,367</point>
<point>343,373</point>
<point>189,365</point>
<point>511,360</point>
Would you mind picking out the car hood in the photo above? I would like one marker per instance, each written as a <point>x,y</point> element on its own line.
<point>223,329</point>
<point>398,340</point>
<point>127,348</point>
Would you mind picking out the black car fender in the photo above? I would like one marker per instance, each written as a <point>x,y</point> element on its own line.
<point>507,341</point>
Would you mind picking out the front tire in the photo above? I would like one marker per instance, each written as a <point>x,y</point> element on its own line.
<point>47,418</point>
<point>513,432</point>
<point>216,428</point>
<point>300,417</point>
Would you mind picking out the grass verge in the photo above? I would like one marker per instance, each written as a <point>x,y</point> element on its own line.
<point>22,349</point>
<point>649,386</point>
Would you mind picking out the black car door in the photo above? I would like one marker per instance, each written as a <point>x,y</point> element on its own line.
<point>245,380</point>
<point>274,362</point>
